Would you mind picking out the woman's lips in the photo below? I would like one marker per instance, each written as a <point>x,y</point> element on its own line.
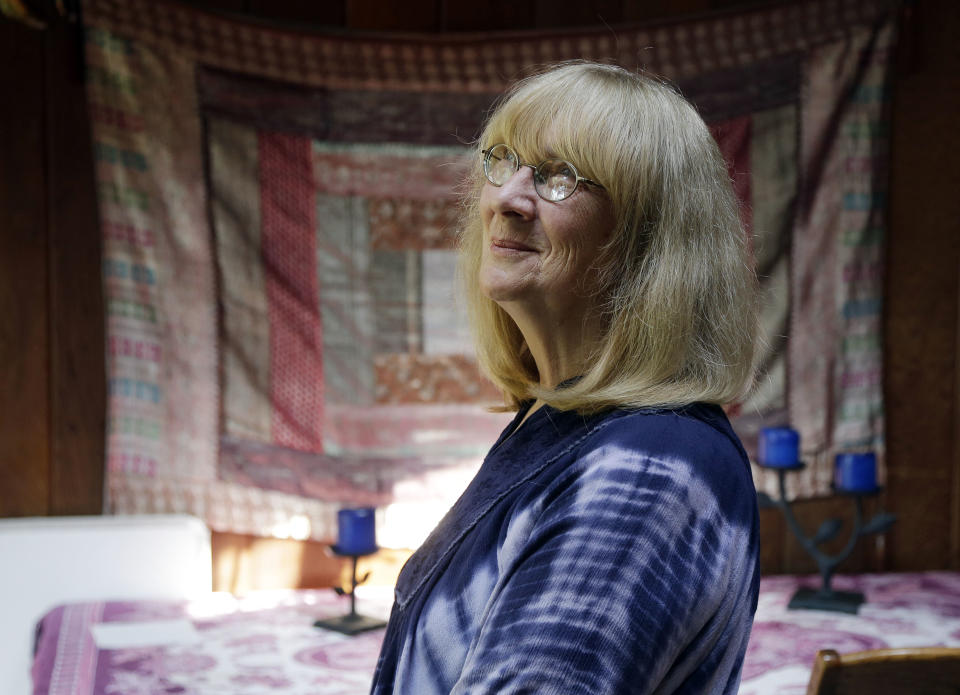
<point>510,245</point>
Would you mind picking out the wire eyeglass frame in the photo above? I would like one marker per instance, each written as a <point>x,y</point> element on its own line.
<point>541,173</point>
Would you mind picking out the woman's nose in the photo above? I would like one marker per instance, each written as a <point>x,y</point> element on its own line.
<point>517,196</point>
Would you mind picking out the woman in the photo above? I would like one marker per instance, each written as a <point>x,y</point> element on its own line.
<point>608,544</point>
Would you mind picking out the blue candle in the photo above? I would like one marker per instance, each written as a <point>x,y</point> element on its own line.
<point>356,532</point>
<point>856,472</point>
<point>779,447</point>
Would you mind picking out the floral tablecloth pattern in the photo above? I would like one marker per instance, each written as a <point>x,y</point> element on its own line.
<point>266,643</point>
<point>902,610</point>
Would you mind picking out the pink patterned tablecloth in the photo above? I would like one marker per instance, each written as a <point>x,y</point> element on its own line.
<point>902,610</point>
<point>220,645</point>
<point>265,643</point>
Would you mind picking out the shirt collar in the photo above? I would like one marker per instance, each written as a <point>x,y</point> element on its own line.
<point>516,457</point>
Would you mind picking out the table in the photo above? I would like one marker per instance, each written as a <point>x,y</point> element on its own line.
<point>902,610</point>
<point>262,644</point>
<point>265,643</point>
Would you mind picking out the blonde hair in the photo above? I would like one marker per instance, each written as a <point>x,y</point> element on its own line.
<point>678,288</point>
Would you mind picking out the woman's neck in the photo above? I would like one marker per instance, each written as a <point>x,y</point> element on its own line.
<point>560,345</point>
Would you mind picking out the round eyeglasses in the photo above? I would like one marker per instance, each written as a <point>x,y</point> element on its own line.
<point>553,179</point>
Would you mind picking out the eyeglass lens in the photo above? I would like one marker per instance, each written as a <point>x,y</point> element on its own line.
<point>553,179</point>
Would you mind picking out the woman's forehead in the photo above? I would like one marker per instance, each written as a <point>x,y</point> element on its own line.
<point>536,151</point>
<point>551,130</point>
<point>532,145</point>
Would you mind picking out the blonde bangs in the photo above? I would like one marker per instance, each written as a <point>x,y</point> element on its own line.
<point>544,118</point>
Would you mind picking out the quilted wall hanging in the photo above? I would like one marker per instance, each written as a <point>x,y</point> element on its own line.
<point>279,214</point>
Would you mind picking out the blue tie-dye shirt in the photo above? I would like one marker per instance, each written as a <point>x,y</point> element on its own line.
<point>614,553</point>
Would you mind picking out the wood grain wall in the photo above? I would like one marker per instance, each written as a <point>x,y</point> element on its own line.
<point>52,392</point>
<point>921,322</point>
<point>52,388</point>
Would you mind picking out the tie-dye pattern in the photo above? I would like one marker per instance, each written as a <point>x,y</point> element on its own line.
<point>616,553</point>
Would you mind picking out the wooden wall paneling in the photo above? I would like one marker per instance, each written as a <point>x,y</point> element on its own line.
<point>235,7</point>
<point>920,539</point>
<point>578,13</point>
<point>456,15</point>
<point>810,514</point>
<point>782,553</point>
<point>243,563</point>
<point>282,13</point>
<point>644,10</point>
<point>24,354</point>
<point>307,12</point>
<point>77,364</point>
<point>920,331</point>
<point>495,15</point>
<point>955,482</point>
<point>376,15</point>
<point>772,537</point>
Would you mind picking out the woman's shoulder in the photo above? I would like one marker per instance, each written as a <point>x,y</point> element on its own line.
<point>697,429</point>
<point>687,446</point>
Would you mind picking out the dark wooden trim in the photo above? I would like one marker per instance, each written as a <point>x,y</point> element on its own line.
<point>921,306</point>
<point>782,553</point>
<point>955,499</point>
<point>24,341</point>
<point>77,363</point>
<point>243,563</point>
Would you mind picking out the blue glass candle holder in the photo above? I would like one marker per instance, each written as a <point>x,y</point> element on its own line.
<point>356,531</point>
<point>855,477</point>
<point>856,472</point>
<point>356,537</point>
<point>779,447</point>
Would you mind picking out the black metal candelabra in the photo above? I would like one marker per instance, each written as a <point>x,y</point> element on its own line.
<point>351,623</point>
<point>825,597</point>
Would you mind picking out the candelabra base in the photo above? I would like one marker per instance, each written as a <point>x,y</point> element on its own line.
<point>821,600</point>
<point>350,624</point>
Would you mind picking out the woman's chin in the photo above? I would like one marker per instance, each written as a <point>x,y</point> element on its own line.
<point>502,294</point>
<point>501,286</point>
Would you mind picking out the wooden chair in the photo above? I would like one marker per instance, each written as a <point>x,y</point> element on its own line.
<point>905,671</point>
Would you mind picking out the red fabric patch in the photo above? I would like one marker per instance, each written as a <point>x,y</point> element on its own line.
<point>289,248</point>
<point>733,137</point>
